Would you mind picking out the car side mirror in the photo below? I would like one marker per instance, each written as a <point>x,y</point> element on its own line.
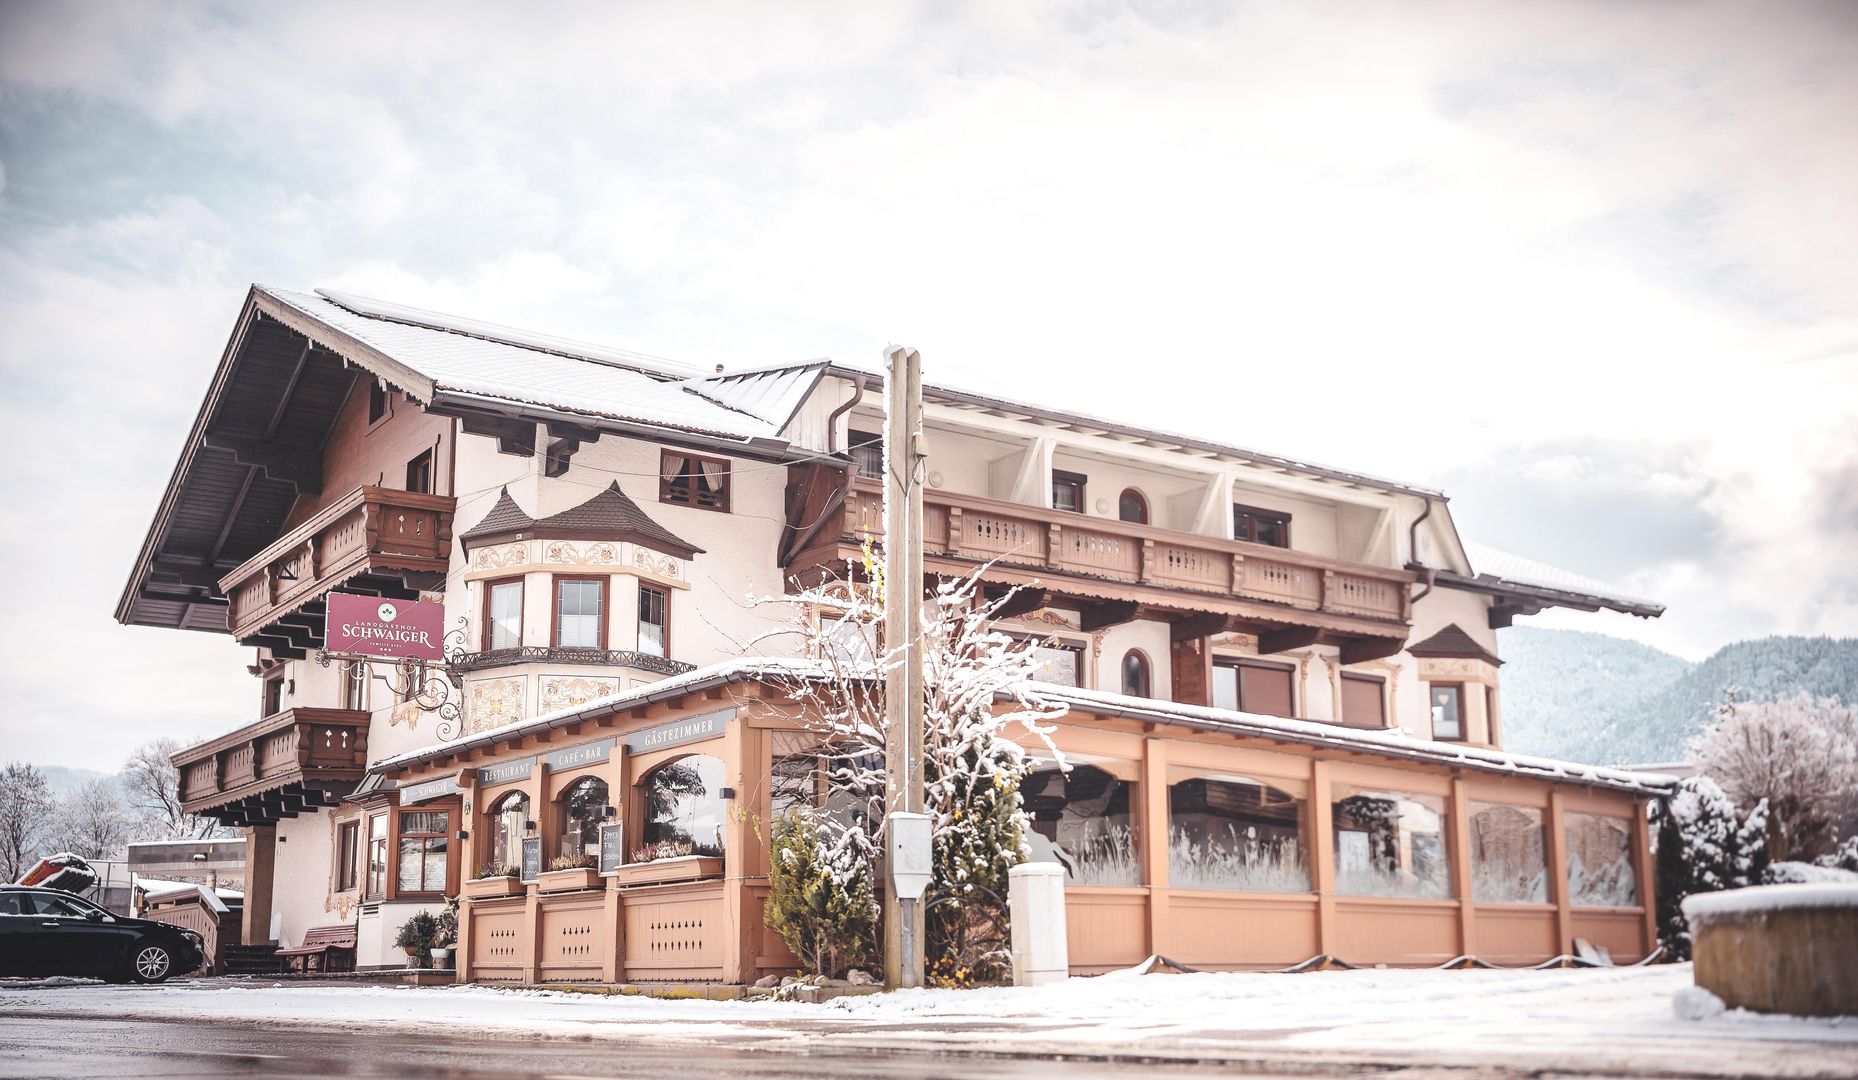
<point>97,916</point>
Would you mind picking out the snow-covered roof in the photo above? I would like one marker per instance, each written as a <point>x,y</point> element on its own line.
<point>1304,732</point>
<point>772,394</point>
<point>491,364</point>
<point>1504,568</point>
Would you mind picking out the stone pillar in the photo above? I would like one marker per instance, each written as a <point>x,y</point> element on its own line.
<point>260,866</point>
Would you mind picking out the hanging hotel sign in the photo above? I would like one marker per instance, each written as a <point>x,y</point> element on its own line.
<point>431,789</point>
<point>389,629</point>
<point>505,771</point>
<point>573,757</point>
<point>679,732</point>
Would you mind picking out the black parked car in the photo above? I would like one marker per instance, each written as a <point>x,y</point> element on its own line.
<point>47,932</point>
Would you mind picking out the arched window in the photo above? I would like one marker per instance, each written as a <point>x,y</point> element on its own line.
<point>1238,833</point>
<point>582,809</point>
<point>1081,820</point>
<point>1132,507</point>
<point>508,816</point>
<point>684,809</point>
<point>1135,674</point>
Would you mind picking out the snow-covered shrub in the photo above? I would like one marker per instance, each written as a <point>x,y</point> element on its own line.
<point>1703,847</point>
<point>820,898</point>
<point>977,700</point>
<point>1843,857</point>
<point>1799,873</point>
<point>1799,753</point>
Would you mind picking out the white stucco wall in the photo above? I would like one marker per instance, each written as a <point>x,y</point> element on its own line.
<point>300,881</point>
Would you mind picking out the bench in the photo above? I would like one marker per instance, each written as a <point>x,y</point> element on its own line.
<point>325,948</point>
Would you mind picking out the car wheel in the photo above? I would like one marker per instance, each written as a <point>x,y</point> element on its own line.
<point>151,963</point>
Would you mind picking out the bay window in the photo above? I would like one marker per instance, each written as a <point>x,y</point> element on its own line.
<point>654,620</point>
<point>503,614</point>
<point>1600,870</point>
<point>684,808</point>
<point>580,607</point>
<point>1389,844</point>
<point>420,867</point>
<point>1082,821</point>
<point>1447,701</point>
<point>1238,833</point>
<point>1508,864</point>
<point>582,810</point>
<point>377,857</point>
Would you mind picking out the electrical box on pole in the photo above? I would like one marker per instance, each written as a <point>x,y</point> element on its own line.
<point>910,849</point>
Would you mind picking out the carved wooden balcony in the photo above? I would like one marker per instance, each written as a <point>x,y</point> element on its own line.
<point>289,763</point>
<point>1073,557</point>
<point>373,540</point>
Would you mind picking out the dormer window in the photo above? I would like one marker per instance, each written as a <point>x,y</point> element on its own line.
<point>693,480</point>
<point>1068,491</point>
<point>1268,527</point>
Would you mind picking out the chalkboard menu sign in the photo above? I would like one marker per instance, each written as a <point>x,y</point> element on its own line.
<point>532,857</point>
<point>612,847</point>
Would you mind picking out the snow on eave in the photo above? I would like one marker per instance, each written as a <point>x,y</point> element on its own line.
<point>1500,570</point>
<point>1392,743</point>
<point>945,393</point>
<point>644,363</point>
<point>1759,899</point>
<point>729,671</point>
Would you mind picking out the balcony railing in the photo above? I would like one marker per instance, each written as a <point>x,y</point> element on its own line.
<point>287,763</point>
<point>399,536</point>
<point>1013,534</point>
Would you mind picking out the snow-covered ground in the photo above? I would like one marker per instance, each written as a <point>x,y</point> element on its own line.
<point>1619,1019</point>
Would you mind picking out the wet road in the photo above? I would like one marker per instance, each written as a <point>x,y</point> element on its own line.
<point>80,1049</point>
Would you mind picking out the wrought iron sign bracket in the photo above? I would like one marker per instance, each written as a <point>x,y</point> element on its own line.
<point>429,687</point>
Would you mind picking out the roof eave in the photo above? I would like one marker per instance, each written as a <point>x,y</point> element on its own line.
<point>1549,597</point>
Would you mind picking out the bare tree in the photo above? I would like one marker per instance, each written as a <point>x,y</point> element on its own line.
<point>1799,753</point>
<point>154,789</point>
<point>91,821</point>
<point>25,814</point>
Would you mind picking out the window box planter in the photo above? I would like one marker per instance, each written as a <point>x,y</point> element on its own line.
<point>485,888</point>
<point>659,871</point>
<point>581,877</point>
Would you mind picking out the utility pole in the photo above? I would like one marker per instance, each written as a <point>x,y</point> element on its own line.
<point>903,683</point>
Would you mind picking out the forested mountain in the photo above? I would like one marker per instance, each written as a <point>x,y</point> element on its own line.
<point>1590,697</point>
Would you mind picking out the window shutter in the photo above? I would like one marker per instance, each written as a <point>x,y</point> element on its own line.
<point>1362,703</point>
<point>1266,690</point>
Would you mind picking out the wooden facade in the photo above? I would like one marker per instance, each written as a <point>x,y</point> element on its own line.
<point>694,919</point>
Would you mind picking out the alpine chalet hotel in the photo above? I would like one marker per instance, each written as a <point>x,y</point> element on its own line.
<point>1285,723</point>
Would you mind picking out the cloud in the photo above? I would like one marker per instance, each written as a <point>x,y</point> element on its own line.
<point>1582,264</point>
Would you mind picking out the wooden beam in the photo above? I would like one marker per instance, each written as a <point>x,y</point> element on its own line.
<point>1105,614</point>
<point>299,466</point>
<point>1362,649</point>
<point>1198,625</point>
<point>513,436</point>
<point>560,452</point>
<point>290,389</point>
<point>1287,637</point>
<point>1021,602</point>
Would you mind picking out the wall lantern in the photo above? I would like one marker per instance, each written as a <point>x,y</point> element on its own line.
<point>727,793</point>
<point>463,835</point>
<point>609,811</point>
<point>529,827</point>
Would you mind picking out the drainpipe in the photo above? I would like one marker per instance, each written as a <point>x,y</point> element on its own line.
<point>1412,548</point>
<point>832,429</point>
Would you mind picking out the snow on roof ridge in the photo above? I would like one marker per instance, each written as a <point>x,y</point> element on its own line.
<point>1522,570</point>
<point>369,307</point>
<point>724,670</point>
<point>209,840</point>
<point>1393,739</point>
<point>1315,730</point>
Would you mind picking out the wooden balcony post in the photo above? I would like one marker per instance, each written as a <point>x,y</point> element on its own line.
<point>1460,862</point>
<point>1054,545</point>
<point>954,529</point>
<point>1145,558</point>
<point>1322,858</point>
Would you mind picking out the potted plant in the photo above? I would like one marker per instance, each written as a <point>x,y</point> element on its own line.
<point>568,872</point>
<point>446,937</point>
<point>493,881</point>
<point>416,936</point>
<point>670,860</point>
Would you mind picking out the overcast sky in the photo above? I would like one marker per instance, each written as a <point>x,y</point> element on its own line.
<point>1592,269</point>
